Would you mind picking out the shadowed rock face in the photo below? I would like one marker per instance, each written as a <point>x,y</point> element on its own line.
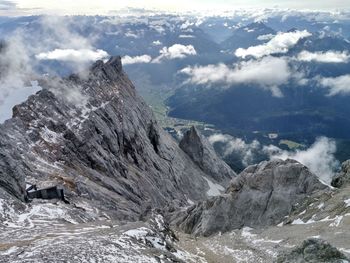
<point>203,154</point>
<point>313,251</point>
<point>12,170</point>
<point>98,139</point>
<point>261,195</point>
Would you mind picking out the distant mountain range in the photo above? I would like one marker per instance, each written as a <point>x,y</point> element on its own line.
<point>159,49</point>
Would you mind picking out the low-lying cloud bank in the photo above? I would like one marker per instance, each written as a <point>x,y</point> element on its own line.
<point>319,157</point>
<point>175,51</point>
<point>336,86</point>
<point>265,37</point>
<point>61,42</point>
<point>231,145</point>
<point>279,44</point>
<point>73,55</point>
<point>127,60</point>
<point>324,57</point>
<point>259,72</point>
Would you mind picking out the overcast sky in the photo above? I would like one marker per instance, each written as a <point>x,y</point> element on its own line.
<point>19,7</point>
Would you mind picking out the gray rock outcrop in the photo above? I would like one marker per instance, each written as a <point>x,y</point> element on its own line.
<point>261,195</point>
<point>198,148</point>
<point>313,251</point>
<point>99,140</point>
<point>343,177</point>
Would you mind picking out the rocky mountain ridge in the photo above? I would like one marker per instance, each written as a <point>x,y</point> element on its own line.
<point>99,140</point>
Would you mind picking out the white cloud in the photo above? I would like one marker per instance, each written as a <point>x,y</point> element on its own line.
<point>106,7</point>
<point>319,158</point>
<point>131,35</point>
<point>60,41</point>
<point>71,93</point>
<point>186,36</point>
<point>73,55</point>
<point>324,57</point>
<point>175,51</point>
<point>265,37</point>
<point>260,72</point>
<point>186,25</point>
<point>337,85</point>
<point>248,30</point>
<point>280,43</point>
<point>7,5</point>
<point>156,43</point>
<point>58,33</point>
<point>136,60</point>
<point>247,151</point>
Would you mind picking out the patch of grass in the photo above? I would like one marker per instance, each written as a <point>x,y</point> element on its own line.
<point>292,145</point>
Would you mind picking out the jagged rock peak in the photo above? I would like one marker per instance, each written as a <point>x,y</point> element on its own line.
<point>198,148</point>
<point>261,195</point>
<point>111,69</point>
<point>114,62</point>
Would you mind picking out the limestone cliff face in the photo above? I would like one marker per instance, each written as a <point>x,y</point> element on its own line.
<point>97,138</point>
<point>261,195</point>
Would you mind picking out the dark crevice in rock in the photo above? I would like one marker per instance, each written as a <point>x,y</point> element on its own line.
<point>153,137</point>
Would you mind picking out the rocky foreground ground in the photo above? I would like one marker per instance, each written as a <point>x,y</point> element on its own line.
<point>57,232</point>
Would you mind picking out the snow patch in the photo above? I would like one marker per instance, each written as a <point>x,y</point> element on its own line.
<point>337,221</point>
<point>320,206</point>
<point>34,215</point>
<point>139,239</point>
<point>214,189</point>
<point>347,202</point>
<point>50,136</point>
<point>253,238</point>
<point>310,221</point>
